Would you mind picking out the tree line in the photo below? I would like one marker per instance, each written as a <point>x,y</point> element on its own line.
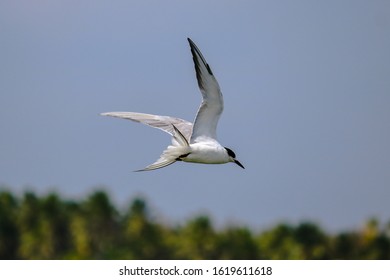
<point>48,227</point>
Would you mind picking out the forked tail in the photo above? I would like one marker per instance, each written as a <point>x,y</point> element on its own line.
<point>172,153</point>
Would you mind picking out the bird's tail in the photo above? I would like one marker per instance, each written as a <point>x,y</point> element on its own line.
<point>172,153</point>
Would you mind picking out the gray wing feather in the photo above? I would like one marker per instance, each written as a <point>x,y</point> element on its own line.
<point>161,122</point>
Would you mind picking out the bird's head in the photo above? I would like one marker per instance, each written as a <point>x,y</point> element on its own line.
<point>232,157</point>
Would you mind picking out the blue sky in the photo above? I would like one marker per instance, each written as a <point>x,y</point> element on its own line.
<point>307,105</point>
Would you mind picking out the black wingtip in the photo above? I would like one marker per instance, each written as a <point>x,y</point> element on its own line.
<point>192,44</point>
<point>195,54</point>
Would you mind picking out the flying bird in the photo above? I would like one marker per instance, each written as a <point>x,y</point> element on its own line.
<point>191,142</point>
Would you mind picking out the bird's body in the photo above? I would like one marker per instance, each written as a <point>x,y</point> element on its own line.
<point>207,152</point>
<point>191,142</point>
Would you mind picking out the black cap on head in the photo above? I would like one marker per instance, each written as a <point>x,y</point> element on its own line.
<point>233,155</point>
<point>230,152</point>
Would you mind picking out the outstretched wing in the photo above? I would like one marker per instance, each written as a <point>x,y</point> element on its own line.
<point>164,123</point>
<point>206,121</point>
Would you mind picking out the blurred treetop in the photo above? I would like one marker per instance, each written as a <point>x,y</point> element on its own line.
<point>49,227</point>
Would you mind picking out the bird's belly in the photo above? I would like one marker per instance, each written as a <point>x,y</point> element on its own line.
<point>205,154</point>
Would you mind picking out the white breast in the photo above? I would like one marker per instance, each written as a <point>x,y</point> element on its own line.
<point>207,153</point>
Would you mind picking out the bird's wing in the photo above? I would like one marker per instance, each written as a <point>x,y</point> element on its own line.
<point>164,123</point>
<point>206,120</point>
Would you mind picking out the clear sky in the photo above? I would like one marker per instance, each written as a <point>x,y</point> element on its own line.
<point>307,105</point>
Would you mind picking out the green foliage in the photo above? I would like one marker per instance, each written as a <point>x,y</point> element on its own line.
<point>48,227</point>
<point>9,234</point>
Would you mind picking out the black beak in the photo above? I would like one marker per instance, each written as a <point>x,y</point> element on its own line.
<point>239,164</point>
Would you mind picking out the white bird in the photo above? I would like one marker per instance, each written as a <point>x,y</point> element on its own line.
<point>196,142</point>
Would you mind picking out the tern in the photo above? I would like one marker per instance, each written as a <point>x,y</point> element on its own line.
<point>191,142</point>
